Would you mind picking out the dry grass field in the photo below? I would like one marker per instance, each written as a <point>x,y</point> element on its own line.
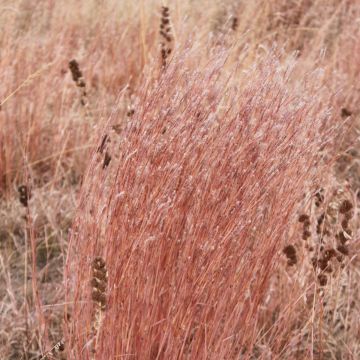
<point>179,180</point>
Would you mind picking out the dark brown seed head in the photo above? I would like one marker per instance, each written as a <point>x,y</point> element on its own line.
<point>345,224</point>
<point>341,237</point>
<point>75,70</point>
<point>107,159</point>
<point>234,23</point>
<point>98,296</point>
<point>306,235</point>
<point>321,219</point>
<point>318,229</point>
<point>345,206</point>
<point>61,346</point>
<point>339,258</point>
<point>165,33</point>
<point>98,284</point>
<point>322,279</point>
<point>100,274</point>
<point>94,282</point>
<point>306,224</point>
<point>329,253</point>
<point>81,83</point>
<point>292,261</point>
<point>24,195</point>
<point>290,253</point>
<point>345,113</point>
<point>289,250</point>
<point>323,263</point>
<point>303,218</point>
<point>98,263</point>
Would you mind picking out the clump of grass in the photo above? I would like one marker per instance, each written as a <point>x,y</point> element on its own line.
<point>166,213</point>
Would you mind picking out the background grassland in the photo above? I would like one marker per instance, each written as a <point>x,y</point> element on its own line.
<point>184,160</point>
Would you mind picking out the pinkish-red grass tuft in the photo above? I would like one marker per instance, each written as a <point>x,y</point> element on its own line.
<point>192,209</point>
